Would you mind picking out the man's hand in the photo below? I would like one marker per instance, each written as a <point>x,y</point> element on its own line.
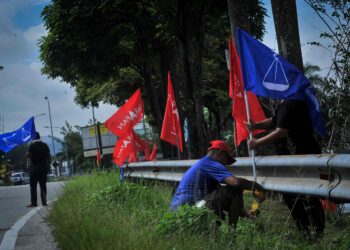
<point>253,143</point>
<point>257,186</point>
<point>251,125</point>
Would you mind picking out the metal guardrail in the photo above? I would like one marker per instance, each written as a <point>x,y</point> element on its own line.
<point>324,176</point>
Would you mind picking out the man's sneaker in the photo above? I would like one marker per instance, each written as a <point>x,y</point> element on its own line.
<point>32,205</point>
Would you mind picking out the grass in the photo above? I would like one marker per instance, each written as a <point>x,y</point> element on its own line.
<point>98,212</point>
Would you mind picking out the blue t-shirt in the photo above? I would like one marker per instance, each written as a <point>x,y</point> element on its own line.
<point>201,179</point>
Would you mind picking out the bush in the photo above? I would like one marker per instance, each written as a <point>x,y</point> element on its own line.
<point>189,219</point>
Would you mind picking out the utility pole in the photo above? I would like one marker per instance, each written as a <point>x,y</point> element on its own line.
<point>52,138</point>
<point>98,152</point>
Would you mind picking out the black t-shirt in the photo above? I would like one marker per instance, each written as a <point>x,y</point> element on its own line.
<point>294,116</point>
<point>40,153</point>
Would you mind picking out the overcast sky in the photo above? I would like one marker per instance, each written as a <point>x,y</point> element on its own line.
<point>23,87</point>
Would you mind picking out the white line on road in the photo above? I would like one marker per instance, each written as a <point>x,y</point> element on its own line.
<point>10,237</point>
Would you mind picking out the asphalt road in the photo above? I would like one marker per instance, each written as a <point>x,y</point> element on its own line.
<point>14,199</point>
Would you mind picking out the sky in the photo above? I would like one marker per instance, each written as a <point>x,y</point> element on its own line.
<point>23,88</point>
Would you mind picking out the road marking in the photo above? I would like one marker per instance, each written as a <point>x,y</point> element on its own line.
<point>10,237</point>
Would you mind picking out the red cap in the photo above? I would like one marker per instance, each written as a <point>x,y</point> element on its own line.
<point>221,145</point>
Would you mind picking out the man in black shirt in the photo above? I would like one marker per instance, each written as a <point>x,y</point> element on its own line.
<point>39,155</point>
<point>292,120</point>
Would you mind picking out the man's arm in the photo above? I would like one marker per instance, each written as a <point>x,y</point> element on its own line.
<point>242,183</point>
<point>272,137</point>
<point>29,155</point>
<point>264,124</point>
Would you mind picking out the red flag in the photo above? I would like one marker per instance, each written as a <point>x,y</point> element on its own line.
<point>124,147</point>
<point>133,157</point>
<point>139,143</point>
<point>122,121</point>
<point>171,129</point>
<point>236,91</point>
<point>153,156</point>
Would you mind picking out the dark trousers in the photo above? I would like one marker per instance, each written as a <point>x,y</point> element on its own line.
<point>307,213</point>
<point>34,179</point>
<point>229,199</point>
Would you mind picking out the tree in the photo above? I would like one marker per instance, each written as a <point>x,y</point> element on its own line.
<point>16,159</point>
<point>287,31</point>
<point>107,49</point>
<point>334,89</point>
<point>72,145</point>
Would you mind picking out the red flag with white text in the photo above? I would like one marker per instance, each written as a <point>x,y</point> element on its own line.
<point>236,91</point>
<point>171,129</point>
<point>127,116</point>
<point>122,150</point>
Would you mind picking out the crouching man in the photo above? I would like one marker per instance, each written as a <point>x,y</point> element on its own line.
<point>202,182</point>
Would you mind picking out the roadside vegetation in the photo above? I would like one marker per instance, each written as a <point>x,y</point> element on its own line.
<point>99,212</point>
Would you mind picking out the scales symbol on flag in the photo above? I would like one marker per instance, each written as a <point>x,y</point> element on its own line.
<point>9,142</point>
<point>26,135</point>
<point>271,77</point>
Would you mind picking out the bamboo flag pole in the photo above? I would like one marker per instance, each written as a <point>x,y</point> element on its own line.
<point>252,151</point>
<point>177,143</point>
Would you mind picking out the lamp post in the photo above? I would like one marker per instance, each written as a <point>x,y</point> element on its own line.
<point>35,116</point>
<point>53,143</point>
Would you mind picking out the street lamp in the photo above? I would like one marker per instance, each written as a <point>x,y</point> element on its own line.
<point>35,116</point>
<point>53,143</point>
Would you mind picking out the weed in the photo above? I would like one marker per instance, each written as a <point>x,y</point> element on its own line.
<point>99,212</point>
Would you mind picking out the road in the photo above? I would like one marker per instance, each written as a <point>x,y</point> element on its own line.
<point>13,202</point>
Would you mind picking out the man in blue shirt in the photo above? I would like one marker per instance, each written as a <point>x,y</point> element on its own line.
<point>203,179</point>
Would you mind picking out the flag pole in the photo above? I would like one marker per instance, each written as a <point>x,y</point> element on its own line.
<point>178,145</point>
<point>235,135</point>
<point>133,140</point>
<point>146,136</point>
<point>252,151</point>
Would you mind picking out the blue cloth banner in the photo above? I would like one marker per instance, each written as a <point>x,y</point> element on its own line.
<point>24,134</point>
<point>268,74</point>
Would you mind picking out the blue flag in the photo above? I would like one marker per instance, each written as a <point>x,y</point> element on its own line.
<point>26,133</point>
<point>268,74</point>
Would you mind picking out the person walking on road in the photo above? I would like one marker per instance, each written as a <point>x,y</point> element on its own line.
<point>39,155</point>
<point>202,182</point>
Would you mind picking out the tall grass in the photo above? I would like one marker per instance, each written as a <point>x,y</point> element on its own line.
<point>99,212</point>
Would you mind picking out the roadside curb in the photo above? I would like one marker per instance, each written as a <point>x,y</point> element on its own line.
<point>36,233</point>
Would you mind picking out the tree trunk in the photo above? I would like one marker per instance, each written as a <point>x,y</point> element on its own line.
<point>238,12</point>
<point>197,78</point>
<point>185,69</point>
<point>287,31</point>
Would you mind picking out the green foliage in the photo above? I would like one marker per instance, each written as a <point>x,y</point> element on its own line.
<point>16,159</point>
<point>334,89</point>
<point>73,145</point>
<point>99,212</point>
<point>107,49</point>
<point>187,219</point>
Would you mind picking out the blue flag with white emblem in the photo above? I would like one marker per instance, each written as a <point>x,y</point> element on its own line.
<point>268,74</point>
<point>24,134</point>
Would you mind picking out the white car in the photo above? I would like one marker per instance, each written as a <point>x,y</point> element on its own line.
<point>19,178</point>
